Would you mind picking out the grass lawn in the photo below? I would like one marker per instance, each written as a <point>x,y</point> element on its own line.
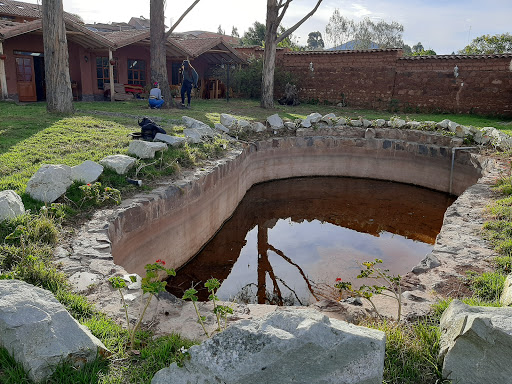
<point>30,137</point>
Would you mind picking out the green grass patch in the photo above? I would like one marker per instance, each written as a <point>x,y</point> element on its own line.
<point>411,352</point>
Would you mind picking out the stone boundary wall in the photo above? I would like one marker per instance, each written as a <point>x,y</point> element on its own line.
<point>176,220</point>
<point>383,79</point>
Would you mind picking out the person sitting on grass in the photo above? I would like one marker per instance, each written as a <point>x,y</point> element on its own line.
<point>190,78</point>
<point>155,96</point>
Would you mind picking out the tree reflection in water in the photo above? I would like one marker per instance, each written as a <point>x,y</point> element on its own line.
<point>289,239</point>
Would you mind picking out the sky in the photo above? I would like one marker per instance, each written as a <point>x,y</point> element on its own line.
<point>445,26</point>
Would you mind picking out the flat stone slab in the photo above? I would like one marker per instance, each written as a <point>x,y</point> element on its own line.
<point>287,346</point>
<point>11,205</point>
<point>145,149</point>
<point>119,163</point>
<point>49,182</point>
<point>87,172</point>
<point>38,331</point>
<point>476,343</point>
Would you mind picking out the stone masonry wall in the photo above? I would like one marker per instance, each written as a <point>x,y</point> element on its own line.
<point>383,79</point>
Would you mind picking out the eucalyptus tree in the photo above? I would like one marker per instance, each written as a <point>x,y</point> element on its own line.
<point>158,37</point>
<point>276,9</point>
<point>56,58</point>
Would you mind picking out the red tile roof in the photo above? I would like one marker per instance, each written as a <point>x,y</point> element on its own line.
<point>21,9</point>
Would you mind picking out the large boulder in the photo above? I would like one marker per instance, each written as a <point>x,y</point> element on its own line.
<point>476,343</point>
<point>38,331</point>
<point>506,295</point>
<point>286,346</point>
<point>119,163</point>
<point>173,141</point>
<point>11,205</point>
<point>227,120</point>
<point>202,128</point>
<point>87,172</point>
<point>145,149</point>
<point>275,122</point>
<point>49,182</point>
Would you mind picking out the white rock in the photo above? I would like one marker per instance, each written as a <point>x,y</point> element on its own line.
<point>173,141</point>
<point>203,129</point>
<point>367,123</point>
<point>342,121</point>
<point>506,295</point>
<point>227,120</point>
<point>328,118</point>
<point>193,136</point>
<point>305,123</point>
<point>221,127</point>
<point>380,123</point>
<point>314,117</point>
<point>243,124</point>
<point>49,183</point>
<point>81,281</point>
<point>414,124</point>
<point>275,122</point>
<point>258,127</point>
<point>87,172</point>
<point>369,133</point>
<point>145,149</point>
<point>443,124</point>
<point>11,205</point>
<point>119,163</point>
<point>476,343</point>
<point>462,131</point>
<point>356,123</point>
<point>397,123</point>
<point>133,285</point>
<point>286,346</point>
<point>289,125</point>
<point>39,332</point>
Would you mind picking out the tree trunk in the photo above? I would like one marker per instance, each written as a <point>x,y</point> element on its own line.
<point>269,56</point>
<point>158,50</point>
<point>59,96</point>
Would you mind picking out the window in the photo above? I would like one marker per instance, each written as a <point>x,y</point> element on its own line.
<point>137,72</point>
<point>102,73</point>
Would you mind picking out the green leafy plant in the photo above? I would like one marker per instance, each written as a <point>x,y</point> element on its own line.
<point>98,195</point>
<point>220,311</point>
<point>391,288</point>
<point>191,294</point>
<point>151,284</point>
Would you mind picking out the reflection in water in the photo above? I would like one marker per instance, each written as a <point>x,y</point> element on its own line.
<point>289,240</point>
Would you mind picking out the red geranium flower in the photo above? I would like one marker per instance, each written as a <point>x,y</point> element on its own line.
<point>338,279</point>
<point>160,261</point>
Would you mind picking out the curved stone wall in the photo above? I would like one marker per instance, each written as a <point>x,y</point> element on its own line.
<point>175,221</point>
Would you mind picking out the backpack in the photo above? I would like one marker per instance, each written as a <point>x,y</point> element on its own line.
<point>149,129</point>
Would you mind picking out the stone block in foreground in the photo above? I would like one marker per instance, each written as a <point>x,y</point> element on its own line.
<point>476,343</point>
<point>286,346</point>
<point>38,331</point>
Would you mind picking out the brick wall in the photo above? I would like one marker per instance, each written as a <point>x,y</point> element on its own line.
<point>383,79</point>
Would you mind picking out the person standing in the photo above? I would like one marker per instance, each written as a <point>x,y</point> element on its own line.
<point>190,78</point>
<point>155,96</point>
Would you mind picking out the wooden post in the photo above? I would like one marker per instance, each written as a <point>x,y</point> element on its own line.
<point>111,75</point>
<point>3,78</point>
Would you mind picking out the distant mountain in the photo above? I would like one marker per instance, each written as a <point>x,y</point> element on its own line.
<point>350,45</point>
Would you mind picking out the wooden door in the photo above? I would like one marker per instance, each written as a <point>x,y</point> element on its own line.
<point>25,78</point>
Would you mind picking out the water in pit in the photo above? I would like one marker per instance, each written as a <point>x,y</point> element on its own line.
<point>289,240</point>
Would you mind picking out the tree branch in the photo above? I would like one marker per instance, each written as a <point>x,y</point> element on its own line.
<point>283,11</point>
<point>171,30</point>
<point>289,31</point>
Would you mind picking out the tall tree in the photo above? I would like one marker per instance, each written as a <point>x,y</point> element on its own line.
<point>234,32</point>
<point>488,45</point>
<point>220,31</point>
<point>417,48</point>
<point>56,58</point>
<point>315,40</point>
<point>158,38</point>
<point>276,9</point>
<point>339,29</point>
<point>255,35</point>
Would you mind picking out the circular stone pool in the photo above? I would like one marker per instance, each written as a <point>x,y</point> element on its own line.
<point>289,240</point>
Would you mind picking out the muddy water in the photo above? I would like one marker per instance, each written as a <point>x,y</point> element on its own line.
<point>289,240</point>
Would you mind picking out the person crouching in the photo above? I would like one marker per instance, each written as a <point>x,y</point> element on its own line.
<point>155,96</point>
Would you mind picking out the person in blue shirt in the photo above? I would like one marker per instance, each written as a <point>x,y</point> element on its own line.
<point>155,96</point>
<point>190,78</point>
